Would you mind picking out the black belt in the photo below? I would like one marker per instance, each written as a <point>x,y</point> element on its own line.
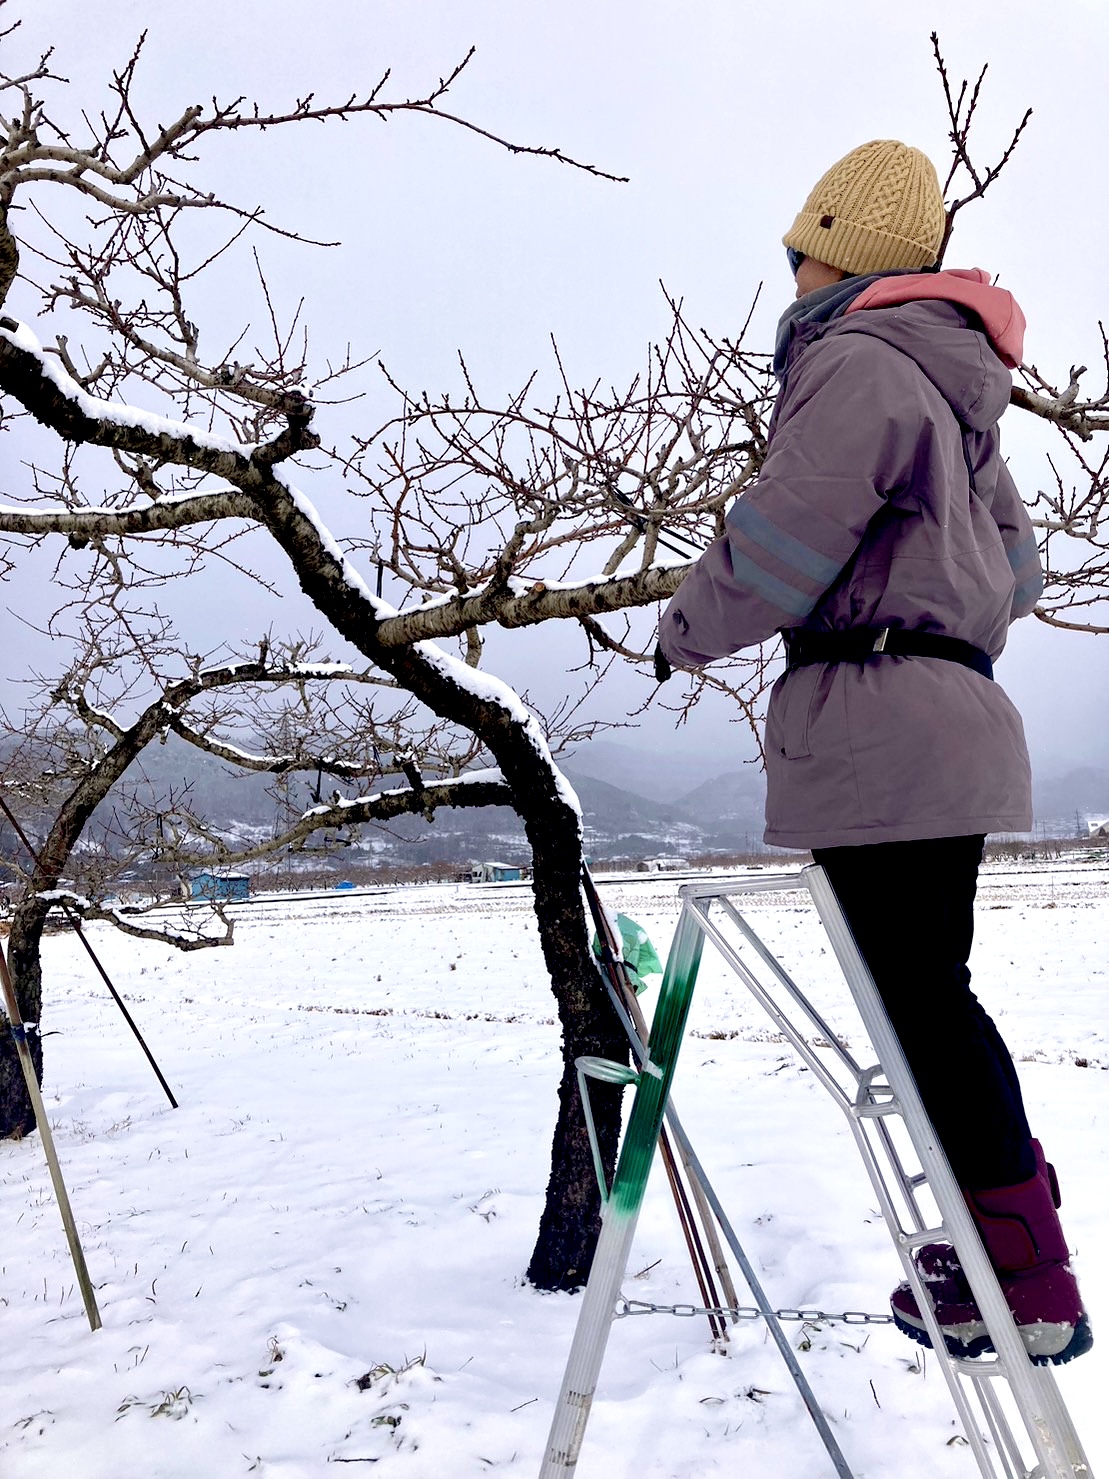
<point>856,644</point>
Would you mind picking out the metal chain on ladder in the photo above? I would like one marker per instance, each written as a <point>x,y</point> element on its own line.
<point>628,1307</point>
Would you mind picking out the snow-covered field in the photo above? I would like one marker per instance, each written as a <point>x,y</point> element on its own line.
<point>317,1259</point>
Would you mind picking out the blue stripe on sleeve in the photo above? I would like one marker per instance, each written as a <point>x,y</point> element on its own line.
<point>747,519</point>
<point>1024,561</point>
<point>1023,554</point>
<point>787,598</point>
<point>1028,592</point>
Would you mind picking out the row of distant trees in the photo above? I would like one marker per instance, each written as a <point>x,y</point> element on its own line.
<point>168,447</point>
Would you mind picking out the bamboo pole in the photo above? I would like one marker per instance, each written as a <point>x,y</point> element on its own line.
<point>19,1036</point>
<point>704,1211</point>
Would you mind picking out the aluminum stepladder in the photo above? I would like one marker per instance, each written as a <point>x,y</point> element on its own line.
<point>1013,1417</point>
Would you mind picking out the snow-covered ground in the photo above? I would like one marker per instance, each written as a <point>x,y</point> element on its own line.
<point>317,1259</point>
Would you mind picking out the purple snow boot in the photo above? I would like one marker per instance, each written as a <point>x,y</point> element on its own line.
<point>1025,1243</point>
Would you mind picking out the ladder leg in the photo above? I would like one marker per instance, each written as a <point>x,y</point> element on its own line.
<point>1042,1411</point>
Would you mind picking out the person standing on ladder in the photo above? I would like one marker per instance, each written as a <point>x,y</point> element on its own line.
<point>885,540</point>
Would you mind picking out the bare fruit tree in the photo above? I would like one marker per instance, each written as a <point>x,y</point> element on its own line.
<point>157,460</point>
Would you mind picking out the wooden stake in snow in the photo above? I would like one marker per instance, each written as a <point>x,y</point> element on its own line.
<point>19,1034</point>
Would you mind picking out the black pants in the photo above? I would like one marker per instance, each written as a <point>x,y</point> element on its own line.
<point>910,906</point>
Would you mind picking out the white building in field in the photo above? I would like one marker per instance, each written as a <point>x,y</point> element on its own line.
<point>496,873</point>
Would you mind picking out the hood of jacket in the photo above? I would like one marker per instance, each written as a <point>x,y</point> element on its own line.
<point>998,310</point>
<point>925,316</point>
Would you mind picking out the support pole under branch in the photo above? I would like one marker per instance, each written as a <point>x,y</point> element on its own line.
<point>19,1034</point>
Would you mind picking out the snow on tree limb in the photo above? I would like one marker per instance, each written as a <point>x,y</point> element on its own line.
<point>56,400</point>
<point>522,605</point>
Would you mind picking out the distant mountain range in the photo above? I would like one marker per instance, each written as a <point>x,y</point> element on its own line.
<point>638,802</point>
<point>641,802</point>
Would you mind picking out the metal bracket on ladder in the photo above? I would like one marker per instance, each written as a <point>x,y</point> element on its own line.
<point>1013,1416</point>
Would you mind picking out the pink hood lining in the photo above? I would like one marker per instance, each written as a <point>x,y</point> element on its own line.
<point>969,287</point>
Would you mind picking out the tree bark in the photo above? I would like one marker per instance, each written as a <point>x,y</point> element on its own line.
<point>17,1117</point>
<point>571,1218</point>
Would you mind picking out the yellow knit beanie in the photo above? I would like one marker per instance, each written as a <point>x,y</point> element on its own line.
<point>879,208</point>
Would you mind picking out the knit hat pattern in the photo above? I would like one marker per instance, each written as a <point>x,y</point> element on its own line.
<point>878,208</point>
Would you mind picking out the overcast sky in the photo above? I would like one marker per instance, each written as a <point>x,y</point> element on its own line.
<point>723,114</point>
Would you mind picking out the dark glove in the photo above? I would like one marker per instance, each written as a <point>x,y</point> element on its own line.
<point>663,670</point>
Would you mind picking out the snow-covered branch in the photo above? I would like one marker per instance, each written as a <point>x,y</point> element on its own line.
<point>529,605</point>
<point>465,792</point>
<point>56,400</point>
<point>164,934</point>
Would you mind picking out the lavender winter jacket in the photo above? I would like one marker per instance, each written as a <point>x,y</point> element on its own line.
<point>883,501</point>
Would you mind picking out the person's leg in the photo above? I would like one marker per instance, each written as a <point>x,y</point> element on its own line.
<point>910,906</point>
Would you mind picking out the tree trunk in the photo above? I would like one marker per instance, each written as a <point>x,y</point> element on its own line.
<point>17,1118</point>
<point>571,1219</point>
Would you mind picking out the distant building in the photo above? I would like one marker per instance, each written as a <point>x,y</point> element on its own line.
<point>1099,829</point>
<point>661,865</point>
<point>219,884</point>
<point>495,873</point>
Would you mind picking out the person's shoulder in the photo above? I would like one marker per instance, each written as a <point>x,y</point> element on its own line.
<point>848,349</point>
<point>870,337</point>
